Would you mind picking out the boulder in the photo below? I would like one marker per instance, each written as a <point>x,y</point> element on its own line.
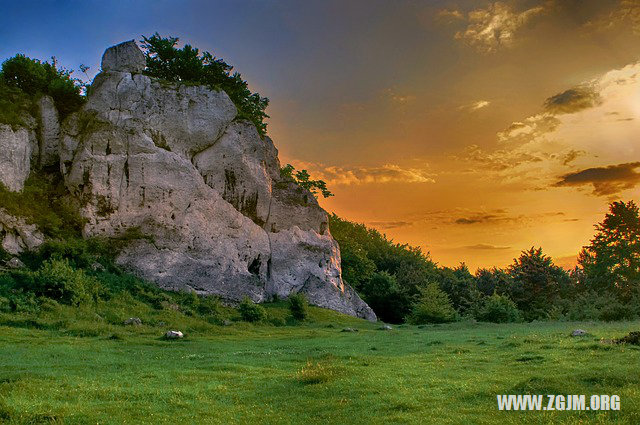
<point>171,161</point>
<point>579,332</point>
<point>15,263</point>
<point>173,335</point>
<point>133,321</point>
<point>385,328</point>
<point>349,330</point>
<point>16,235</point>
<point>124,57</point>
<point>15,157</point>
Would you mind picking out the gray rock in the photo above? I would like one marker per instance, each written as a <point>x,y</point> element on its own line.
<point>15,157</point>
<point>15,263</point>
<point>97,267</point>
<point>124,57</point>
<point>16,235</point>
<point>385,328</point>
<point>49,132</point>
<point>173,335</point>
<point>170,160</point>
<point>133,321</point>
<point>349,330</point>
<point>226,323</point>
<point>579,332</point>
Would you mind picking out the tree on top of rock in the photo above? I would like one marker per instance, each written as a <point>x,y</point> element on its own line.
<point>188,65</point>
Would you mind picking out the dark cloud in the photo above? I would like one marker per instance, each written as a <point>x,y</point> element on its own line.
<point>389,224</point>
<point>572,100</point>
<point>486,247</point>
<point>605,180</point>
<point>479,219</point>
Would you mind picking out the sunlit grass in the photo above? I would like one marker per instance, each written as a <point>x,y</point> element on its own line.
<point>84,369</point>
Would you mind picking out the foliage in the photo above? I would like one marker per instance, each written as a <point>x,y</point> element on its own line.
<point>35,78</point>
<point>592,305</point>
<point>401,269</point>
<point>497,309</point>
<point>45,202</point>
<point>494,280</point>
<point>383,295</point>
<point>460,285</point>
<point>303,179</point>
<point>433,306</point>
<point>298,306</point>
<point>611,261</point>
<point>537,283</point>
<point>59,281</point>
<point>250,311</point>
<point>188,65</point>
<point>13,104</point>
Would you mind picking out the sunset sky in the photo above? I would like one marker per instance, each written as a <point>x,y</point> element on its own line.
<point>474,129</point>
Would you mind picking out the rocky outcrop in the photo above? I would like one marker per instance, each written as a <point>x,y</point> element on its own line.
<point>124,57</point>
<point>16,235</point>
<point>15,157</point>
<point>49,133</point>
<point>172,161</point>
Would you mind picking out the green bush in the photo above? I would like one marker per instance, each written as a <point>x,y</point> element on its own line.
<point>35,78</point>
<point>58,280</point>
<point>13,104</point>
<point>433,306</point>
<point>592,305</point>
<point>298,306</point>
<point>187,65</point>
<point>250,311</point>
<point>497,309</point>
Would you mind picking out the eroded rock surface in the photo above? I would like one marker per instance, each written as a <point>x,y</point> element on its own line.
<point>16,235</point>
<point>172,161</point>
<point>15,157</point>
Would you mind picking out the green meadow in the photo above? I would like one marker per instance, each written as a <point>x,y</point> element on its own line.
<point>75,367</point>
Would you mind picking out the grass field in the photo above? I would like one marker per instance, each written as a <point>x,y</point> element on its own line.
<point>310,373</point>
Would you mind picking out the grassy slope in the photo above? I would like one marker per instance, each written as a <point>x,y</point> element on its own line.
<point>309,373</point>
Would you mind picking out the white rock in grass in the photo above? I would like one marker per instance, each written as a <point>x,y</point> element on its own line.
<point>579,332</point>
<point>173,335</point>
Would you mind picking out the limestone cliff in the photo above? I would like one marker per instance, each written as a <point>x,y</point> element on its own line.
<point>173,161</point>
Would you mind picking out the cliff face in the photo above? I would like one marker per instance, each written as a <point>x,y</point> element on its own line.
<point>172,161</point>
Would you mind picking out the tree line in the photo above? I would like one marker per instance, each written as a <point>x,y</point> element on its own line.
<point>403,284</point>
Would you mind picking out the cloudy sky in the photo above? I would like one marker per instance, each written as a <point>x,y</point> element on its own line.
<point>474,129</point>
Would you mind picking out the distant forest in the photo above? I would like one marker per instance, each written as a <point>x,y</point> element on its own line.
<point>402,283</point>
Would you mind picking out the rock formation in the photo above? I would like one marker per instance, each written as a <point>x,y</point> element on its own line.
<point>174,162</point>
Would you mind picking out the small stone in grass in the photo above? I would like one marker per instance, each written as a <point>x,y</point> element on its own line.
<point>133,321</point>
<point>173,335</point>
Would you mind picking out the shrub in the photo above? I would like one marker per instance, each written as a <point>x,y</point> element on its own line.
<point>498,309</point>
<point>433,306</point>
<point>56,279</point>
<point>250,311</point>
<point>592,305</point>
<point>298,306</point>
<point>187,65</point>
<point>34,78</point>
<point>303,179</point>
